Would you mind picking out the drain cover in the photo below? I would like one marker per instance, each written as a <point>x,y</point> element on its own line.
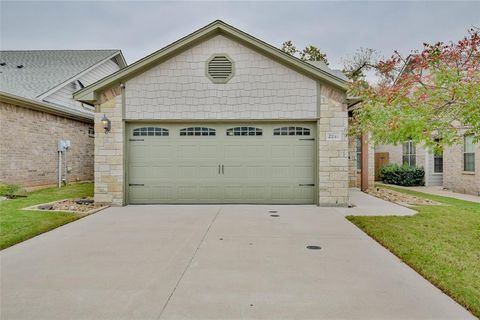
<point>273,211</point>
<point>314,247</point>
<point>275,215</point>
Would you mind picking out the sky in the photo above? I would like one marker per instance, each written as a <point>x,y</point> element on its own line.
<point>139,28</point>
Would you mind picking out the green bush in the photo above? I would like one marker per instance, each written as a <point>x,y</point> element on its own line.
<point>402,175</point>
<point>8,189</point>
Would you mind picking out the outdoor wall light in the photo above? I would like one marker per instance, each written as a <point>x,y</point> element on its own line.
<point>106,123</point>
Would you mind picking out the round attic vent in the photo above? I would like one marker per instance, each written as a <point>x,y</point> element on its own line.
<point>220,68</point>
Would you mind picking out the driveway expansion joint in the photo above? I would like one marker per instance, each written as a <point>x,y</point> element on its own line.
<point>189,263</point>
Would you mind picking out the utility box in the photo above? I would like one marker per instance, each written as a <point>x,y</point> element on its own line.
<point>63,145</point>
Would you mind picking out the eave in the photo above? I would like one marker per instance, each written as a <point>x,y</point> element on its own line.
<point>45,107</point>
<point>89,93</point>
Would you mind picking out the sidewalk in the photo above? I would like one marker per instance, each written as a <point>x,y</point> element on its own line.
<point>368,205</point>
<point>438,191</point>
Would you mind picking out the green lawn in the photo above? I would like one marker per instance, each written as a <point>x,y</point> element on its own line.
<point>441,242</point>
<point>17,225</point>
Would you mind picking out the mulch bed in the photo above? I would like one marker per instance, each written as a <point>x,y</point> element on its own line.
<point>82,206</point>
<point>399,197</point>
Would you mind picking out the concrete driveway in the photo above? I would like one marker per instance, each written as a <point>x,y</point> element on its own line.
<point>213,262</point>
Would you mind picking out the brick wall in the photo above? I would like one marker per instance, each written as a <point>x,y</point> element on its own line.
<point>354,178</point>
<point>396,153</point>
<point>261,88</point>
<point>454,178</point>
<point>28,147</point>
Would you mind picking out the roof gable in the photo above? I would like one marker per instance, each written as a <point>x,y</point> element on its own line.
<point>32,73</point>
<point>89,93</point>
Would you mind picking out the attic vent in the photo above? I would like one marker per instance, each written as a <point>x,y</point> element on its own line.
<point>220,68</point>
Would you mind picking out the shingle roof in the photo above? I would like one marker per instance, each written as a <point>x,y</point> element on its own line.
<point>323,66</point>
<point>44,69</point>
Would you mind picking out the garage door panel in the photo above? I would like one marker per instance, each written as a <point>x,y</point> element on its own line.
<point>241,171</point>
<point>303,173</point>
<point>263,168</point>
<point>305,152</point>
<point>240,151</point>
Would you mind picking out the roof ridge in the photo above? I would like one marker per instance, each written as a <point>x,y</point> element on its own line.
<point>60,50</point>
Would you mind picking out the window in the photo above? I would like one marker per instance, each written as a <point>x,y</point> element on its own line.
<point>197,131</point>
<point>468,154</point>
<point>244,131</point>
<point>291,131</point>
<point>220,68</point>
<point>150,131</point>
<point>437,160</point>
<point>409,153</point>
<point>91,132</point>
<point>358,152</point>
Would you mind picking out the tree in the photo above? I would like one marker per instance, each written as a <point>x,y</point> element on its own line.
<point>289,48</point>
<point>363,60</point>
<point>427,96</point>
<point>309,53</point>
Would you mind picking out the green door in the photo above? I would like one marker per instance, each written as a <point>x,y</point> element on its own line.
<point>221,163</point>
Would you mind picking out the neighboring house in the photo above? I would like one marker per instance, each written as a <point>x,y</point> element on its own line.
<point>220,117</point>
<point>456,169</point>
<point>37,110</point>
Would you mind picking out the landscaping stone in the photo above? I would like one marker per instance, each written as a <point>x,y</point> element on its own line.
<point>399,197</point>
<point>83,206</point>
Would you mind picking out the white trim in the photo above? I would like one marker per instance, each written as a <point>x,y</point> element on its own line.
<point>78,75</point>
<point>45,107</point>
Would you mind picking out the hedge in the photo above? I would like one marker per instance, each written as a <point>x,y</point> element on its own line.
<point>404,175</point>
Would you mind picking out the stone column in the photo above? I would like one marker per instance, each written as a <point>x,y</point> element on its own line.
<point>109,149</point>
<point>332,148</point>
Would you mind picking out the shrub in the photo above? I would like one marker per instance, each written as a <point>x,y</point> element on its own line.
<point>8,189</point>
<point>402,175</point>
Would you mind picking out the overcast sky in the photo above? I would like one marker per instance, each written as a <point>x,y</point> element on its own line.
<point>139,28</point>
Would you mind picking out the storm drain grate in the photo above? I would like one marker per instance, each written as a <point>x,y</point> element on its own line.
<point>274,215</point>
<point>314,247</point>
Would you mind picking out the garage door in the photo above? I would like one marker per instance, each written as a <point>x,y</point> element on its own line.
<point>221,163</point>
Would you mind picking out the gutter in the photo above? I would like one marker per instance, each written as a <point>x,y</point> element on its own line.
<point>46,107</point>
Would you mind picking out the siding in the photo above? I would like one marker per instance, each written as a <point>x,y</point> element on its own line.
<point>261,88</point>
<point>64,97</point>
<point>432,178</point>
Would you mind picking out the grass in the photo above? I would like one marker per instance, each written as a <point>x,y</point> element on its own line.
<point>17,225</point>
<point>442,243</point>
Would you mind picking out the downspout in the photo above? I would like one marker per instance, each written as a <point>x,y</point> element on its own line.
<point>59,168</point>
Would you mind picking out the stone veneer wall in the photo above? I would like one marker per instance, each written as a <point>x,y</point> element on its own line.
<point>333,161</point>
<point>28,147</point>
<point>261,88</point>
<point>109,149</point>
<point>454,178</point>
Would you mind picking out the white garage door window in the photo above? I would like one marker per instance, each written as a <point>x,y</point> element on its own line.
<point>221,163</point>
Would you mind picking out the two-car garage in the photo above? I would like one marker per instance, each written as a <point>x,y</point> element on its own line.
<point>202,162</point>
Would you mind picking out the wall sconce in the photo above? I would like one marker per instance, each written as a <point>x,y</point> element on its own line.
<point>106,123</point>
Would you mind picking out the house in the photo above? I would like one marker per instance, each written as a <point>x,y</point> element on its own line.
<point>37,111</point>
<point>456,169</point>
<point>220,116</point>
